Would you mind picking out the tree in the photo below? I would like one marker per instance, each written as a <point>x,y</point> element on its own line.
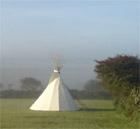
<point>1,86</point>
<point>93,86</point>
<point>10,86</point>
<point>30,84</point>
<point>120,76</point>
<point>94,89</point>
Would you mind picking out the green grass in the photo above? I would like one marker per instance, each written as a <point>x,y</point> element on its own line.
<point>97,114</point>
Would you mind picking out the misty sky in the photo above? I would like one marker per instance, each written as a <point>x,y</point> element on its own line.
<point>78,31</point>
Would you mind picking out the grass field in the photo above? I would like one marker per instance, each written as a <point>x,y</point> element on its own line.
<point>97,114</point>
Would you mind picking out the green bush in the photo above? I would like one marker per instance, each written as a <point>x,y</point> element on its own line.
<point>120,76</point>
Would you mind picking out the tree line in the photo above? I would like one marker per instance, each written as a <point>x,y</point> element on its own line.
<point>32,88</point>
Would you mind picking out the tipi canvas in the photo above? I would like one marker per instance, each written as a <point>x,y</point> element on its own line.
<point>55,97</point>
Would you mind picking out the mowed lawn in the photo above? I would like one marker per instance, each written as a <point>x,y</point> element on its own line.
<point>96,114</point>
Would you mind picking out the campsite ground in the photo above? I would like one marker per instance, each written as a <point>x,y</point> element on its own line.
<point>97,114</point>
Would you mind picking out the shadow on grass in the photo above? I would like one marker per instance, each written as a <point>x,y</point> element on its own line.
<point>96,109</point>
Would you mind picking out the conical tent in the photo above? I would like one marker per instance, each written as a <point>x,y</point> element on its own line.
<point>55,97</point>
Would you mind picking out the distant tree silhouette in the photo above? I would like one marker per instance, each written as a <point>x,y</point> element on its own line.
<point>1,86</point>
<point>30,84</point>
<point>10,86</point>
<point>93,86</point>
<point>94,89</point>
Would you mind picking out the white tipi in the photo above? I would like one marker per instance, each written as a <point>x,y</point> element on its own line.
<point>55,97</point>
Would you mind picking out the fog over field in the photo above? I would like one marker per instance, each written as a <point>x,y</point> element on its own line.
<point>33,31</point>
<point>74,73</point>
